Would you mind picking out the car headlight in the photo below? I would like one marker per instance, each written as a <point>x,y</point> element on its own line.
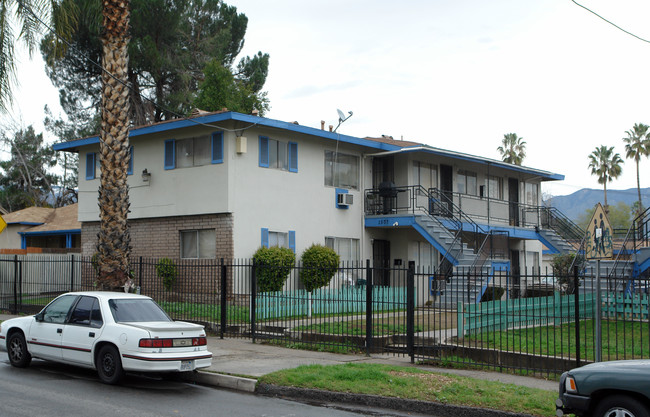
<point>570,384</point>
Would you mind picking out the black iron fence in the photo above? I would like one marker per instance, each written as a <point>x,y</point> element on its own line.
<point>500,320</point>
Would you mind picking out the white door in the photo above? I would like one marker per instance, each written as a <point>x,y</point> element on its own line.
<point>46,332</point>
<point>81,331</point>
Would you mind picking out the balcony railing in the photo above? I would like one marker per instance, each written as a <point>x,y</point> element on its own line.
<point>481,210</point>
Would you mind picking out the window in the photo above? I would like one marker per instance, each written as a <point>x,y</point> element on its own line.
<point>494,188</point>
<point>341,170</point>
<point>192,152</point>
<point>198,244</point>
<point>129,169</point>
<point>280,239</point>
<point>58,309</point>
<point>466,182</point>
<point>346,248</point>
<point>532,196</point>
<point>87,313</point>
<point>425,175</point>
<point>92,166</point>
<point>136,311</point>
<point>278,155</point>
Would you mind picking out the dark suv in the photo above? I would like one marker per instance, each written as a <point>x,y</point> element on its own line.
<point>606,389</point>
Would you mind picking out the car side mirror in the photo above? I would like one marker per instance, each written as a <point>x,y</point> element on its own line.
<point>39,317</point>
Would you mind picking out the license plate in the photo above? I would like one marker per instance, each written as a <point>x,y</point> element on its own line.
<point>187,365</point>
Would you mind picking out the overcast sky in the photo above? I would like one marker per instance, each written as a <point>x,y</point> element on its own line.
<point>455,74</point>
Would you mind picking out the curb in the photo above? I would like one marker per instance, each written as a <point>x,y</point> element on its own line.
<point>224,381</point>
<point>399,404</point>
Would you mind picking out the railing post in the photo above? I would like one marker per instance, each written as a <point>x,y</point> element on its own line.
<point>253,300</point>
<point>410,310</point>
<point>15,309</point>
<point>224,299</point>
<point>368,307</point>
<point>71,273</point>
<point>577,313</point>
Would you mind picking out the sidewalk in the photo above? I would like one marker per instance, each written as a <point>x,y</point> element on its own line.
<point>237,363</point>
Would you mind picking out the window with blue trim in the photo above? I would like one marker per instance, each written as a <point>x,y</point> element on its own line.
<point>92,166</point>
<point>280,239</point>
<point>195,151</point>
<point>278,155</point>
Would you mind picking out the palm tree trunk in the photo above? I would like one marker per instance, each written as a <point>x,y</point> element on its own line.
<point>639,209</point>
<point>606,205</point>
<point>114,239</point>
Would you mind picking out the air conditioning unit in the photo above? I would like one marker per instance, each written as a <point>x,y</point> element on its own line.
<point>344,199</point>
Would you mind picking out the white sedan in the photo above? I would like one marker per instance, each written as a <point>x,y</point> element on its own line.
<point>107,331</point>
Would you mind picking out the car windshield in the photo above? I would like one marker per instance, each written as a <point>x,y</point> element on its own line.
<point>131,310</point>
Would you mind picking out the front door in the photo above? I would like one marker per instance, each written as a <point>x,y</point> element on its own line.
<point>46,332</point>
<point>447,189</point>
<point>381,262</point>
<point>513,198</point>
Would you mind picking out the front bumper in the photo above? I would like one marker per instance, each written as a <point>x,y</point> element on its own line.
<point>570,403</point>
<point>166,362</point>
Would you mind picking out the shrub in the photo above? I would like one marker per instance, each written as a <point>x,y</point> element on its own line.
<point>273,267</point>
<point>319,264</point>
<point>493,294</point>
<point>166,270</point>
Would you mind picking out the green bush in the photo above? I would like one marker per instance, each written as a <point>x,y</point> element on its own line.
<point>166,270</point>
<point>319,264</point>
<point>273,267</point>
<point>493,294</point>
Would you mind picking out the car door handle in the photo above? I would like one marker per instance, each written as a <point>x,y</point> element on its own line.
<point>59,330</point>
<point>91,334</point>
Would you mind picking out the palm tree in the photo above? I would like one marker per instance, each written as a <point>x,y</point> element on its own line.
<point>512,149</point>
<point>30,16</point>
<point>637,144</point>
<point>114,245</point>
<point>606,165</point>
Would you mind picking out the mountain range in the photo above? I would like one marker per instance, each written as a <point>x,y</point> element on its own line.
<point>573,205</point>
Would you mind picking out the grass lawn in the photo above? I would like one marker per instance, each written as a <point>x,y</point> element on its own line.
<point>356,328</point>
<point>412,383</point>
<point>620,340</point>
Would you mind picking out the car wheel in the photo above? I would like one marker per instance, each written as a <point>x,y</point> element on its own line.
<point>109,365</point>
<point>621,406</point>
<point>17,350</point>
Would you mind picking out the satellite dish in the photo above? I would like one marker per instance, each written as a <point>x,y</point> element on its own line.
<point>341,115</point>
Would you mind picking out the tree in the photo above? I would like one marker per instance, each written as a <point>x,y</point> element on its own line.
<point>620,217</point>
<point>114,244</point>
<point>25,180</point>
<point>637,145</point>
<point>605,164</point>
<point>28,15</point>
<point>168,56</point>
<point>512,149</point>
<point>221,89</point>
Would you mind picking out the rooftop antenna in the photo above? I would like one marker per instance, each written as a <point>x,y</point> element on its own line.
<point>342,118</point>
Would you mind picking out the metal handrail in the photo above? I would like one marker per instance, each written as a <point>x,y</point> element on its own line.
<point>560,224</point>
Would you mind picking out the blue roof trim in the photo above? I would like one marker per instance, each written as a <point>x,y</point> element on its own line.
<point>221,117</point>
<point>53,232</point>
<point>485,161</point>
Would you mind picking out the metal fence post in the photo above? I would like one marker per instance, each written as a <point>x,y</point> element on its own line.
<point>71,273</point>
<point>253,300</point>
<point>577,313</point>
<point>368,307</point>
<point>15,309</point>
<point>140,273</point>
<point>224,288</point>
<point>410,310</point>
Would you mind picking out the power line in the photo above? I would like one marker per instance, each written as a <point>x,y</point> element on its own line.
<point>611,23</point>
<point>98,65</point>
